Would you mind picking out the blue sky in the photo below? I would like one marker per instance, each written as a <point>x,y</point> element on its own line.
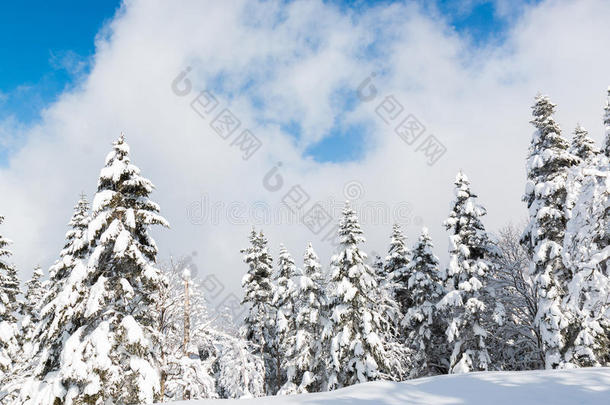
<point>472,91</point>
<point>46,47</point>
<point>40,40</point>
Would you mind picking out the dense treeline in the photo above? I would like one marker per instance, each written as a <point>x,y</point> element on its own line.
<point>110,325</point>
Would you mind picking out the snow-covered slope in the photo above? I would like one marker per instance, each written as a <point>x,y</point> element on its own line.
<point>560,387</point>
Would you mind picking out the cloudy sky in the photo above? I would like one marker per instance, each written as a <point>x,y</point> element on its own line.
<point>318,90</point>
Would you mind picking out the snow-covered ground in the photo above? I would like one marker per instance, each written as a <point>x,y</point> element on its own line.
<point>558,387</point>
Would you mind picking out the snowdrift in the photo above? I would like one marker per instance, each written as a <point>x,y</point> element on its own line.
<point>557,387</point>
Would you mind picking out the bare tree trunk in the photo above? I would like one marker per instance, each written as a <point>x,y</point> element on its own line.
<point>163,378</point>
<point>163,361</point>
<point>278,373</point>
<point>187,317</point>
<point>265,387</point>
<point>187,327</point>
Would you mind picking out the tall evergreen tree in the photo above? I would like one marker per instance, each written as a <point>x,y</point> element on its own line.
<point>583,148</point>
<point>122,287</point>
<point>423,323</point>
<point>31,306</point>
<point>112,356</point>
<point>59,314</point>
<point>283,301</point>
<point>392,279</point>
<point>548,166</point>
<point>259,323</point>
<point>379,268</point>
<point>582,145</point>
<point>304,363</point>
<point>468,301</point>
<point>29,334</point>
<point>9,305</point>
<point>76,246</point>
<point>9,283</point>
<point>396,267</point>
<point>353,335</point>
<point>586,253</point>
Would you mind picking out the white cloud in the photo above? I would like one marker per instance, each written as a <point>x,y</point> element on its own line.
<point>293,59</point>
<point>73,63</point>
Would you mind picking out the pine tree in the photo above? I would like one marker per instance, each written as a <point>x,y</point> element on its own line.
<point>76,246</point>
<point>353,334</point>
<point>468,301</point>
<point>304,360</point>
<point>379,268</point>
<point>258,294</point>
<point>112,356</point>
<point>582,145</point>
<point>392,279</point>
<point>29,331</point>
<point>285,333</point>
<point>583,148</point>
<point>59,314</point>
<point>586,253</point>
<point>423,323</point>
<point>9,283</point>
<point>396,268</point>
<point>548,166</point>
<point>122,286</point>
<point>35,290</point>
<point>9,305</point>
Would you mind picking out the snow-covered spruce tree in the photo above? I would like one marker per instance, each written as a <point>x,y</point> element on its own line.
<point>352,336</point>
<point>75,248</point>
<point>9,286</point>
<point>122,286</point>
<point>390,276</point>
<point>396,268</point>
<point>586,253</point>
<point>548,166</point>
<point>468,302</point>
<point>378,268</point>
<point>259,323</point>
<point>34,295</point>
<point>520,344</point>
<point>582,145</point>
<point>59,314</point>
<point>9,305</point>
<point>284,300</point>
<point>583,148</point>
<point>304,367</point>
<point>35,292</point>
<point>424,327</point>
<point>112,356</point>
